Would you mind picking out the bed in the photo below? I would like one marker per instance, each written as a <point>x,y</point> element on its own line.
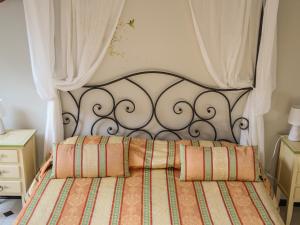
<point>151,195</point>
<point>161,200</point>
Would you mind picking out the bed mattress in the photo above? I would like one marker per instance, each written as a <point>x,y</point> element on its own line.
<point>155,197</point>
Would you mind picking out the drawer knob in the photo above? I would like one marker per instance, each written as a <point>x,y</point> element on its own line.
<point>1,188</point>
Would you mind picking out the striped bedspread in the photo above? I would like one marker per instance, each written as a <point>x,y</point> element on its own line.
<point>147,197</point>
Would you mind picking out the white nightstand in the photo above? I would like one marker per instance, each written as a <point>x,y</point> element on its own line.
<point>17,162</point>
<point>288,174</point>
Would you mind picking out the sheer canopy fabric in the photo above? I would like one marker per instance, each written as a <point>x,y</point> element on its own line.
<point>227,34</point>
<point>67,41</point>
<point>259,100</point>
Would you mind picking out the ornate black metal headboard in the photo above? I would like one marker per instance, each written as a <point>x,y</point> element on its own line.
<point>169,103</point>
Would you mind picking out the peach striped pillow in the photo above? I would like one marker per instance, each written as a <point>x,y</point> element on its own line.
<point>235,163</point>
<point>162,153</point>
<point>91,156</point>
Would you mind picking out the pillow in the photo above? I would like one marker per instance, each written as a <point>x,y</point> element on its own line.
<point>161,154</point>
<point>91,156</point>
<point>235,163</point>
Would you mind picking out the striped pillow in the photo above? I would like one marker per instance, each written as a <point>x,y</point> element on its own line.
<point>160,154</point>
<point>91,156</point>
<point>239,163</point>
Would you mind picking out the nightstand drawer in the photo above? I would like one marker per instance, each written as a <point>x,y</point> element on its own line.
<point>10,187</point>
<point>9,171</point>
<point>8,156</point>
<point>17,162</point>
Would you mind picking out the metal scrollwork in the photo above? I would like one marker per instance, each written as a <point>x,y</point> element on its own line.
<point>67,117</point>
<point>188,110</point>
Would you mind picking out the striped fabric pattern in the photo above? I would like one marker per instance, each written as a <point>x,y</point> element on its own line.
<point>219,163</point>
<point>147,178</point>
<point>230,207</point>
<point>91,156</point>
<point>202,203</point>
<point>117,202</point>
<point>166,154</point>
<point>90,204</point>
<point>163,199</point>
<point>60,203</point>
<point>172,197</point>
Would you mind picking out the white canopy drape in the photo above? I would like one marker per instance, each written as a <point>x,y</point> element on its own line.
<point>259,100</point>
<point>67,41</point>
<point>227,34</point>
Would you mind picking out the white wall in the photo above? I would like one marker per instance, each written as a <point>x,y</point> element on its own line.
<point>24,109</point>
<point>164,39</point>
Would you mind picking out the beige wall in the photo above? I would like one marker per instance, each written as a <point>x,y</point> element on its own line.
<point>24,109</point>
<point>163,38</point>
<point>288,78</point>
<point>159,43</point>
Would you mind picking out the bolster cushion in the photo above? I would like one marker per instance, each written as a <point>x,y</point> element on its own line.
<point>234,163</point>
<point>161,154</point>
<point>91,156</point>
